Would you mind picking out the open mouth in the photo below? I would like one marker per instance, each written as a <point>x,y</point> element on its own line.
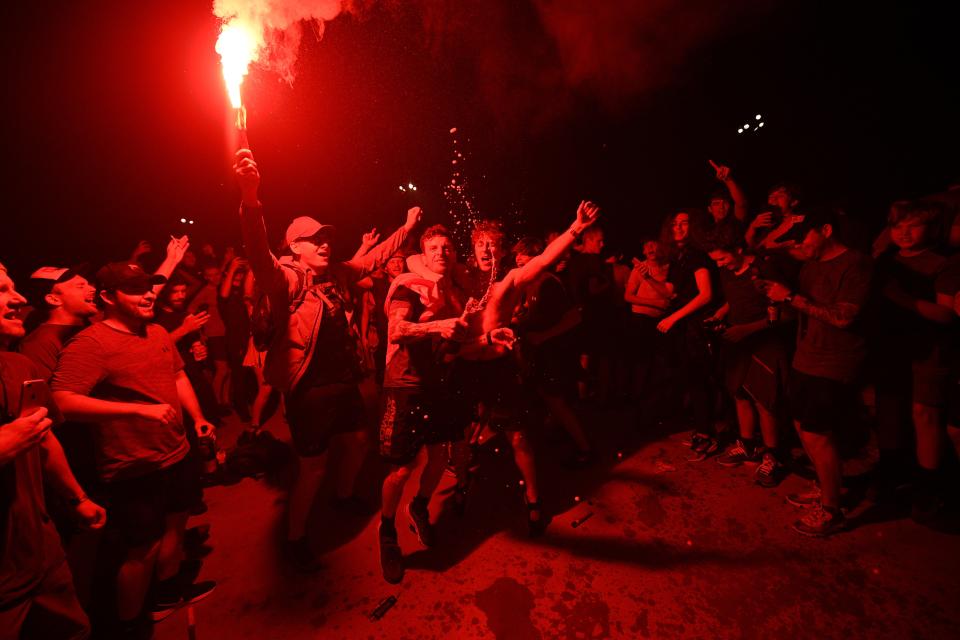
<point>15,315</point>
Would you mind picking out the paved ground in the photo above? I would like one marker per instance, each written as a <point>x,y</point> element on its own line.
<point>672,550</point>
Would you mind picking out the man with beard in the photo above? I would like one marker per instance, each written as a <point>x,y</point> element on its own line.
<point>831,346</point>
<point>125,377</point>
<point>489,377</point>
<point>37,598</point>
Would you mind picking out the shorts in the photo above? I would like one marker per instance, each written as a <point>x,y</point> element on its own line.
<point>820,405</point>
<point>137,508</point>
<point>51,611</point>
<point>253,357</point>
<point>317,413</point>
<point>493,388</point>
<point>756,368</point>
<point>412,418</point>
<point>217,348</point>
<point>552,366</point>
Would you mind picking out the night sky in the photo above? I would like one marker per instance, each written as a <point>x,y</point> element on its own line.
<point>116,120</point>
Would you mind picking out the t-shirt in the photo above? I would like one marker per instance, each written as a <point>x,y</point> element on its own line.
<point>747,303</point>
<point>335,358</point>
<point>683,269</point>
<point>824,350</point>
<point>29,544</point>
<point>44,344</point>
<point>416,364</point>
<point>110,364</point>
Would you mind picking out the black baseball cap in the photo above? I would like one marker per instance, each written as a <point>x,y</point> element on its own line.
<point>814,218</point>
<point>126,275</point>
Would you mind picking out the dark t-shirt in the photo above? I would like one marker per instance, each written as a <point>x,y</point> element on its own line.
<point>416,364</point>
<point>335,359</point>
<point>747,303</point>
<point>824,350</point>
<point>29,544</point>
<point>44,344</point>
<point>109,364</point>
<point>683,269</point>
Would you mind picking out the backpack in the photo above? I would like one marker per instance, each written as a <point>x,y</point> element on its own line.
<point>263,325</point>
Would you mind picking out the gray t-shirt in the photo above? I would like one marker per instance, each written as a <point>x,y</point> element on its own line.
<point>109,364</point>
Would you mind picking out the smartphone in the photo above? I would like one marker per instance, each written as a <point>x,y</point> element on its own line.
<point>35,394</point>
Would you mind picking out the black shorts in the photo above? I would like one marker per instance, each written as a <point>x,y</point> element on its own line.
<point>756,368</point>
<point>412,418</point>
<point>493,388</point>
<point>137,508</point>
<point>317,413</point>
<point>821,405</point>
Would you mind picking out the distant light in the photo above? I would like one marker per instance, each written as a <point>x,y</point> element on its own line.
<point>760,125</point>
<point>740,130</point>
<point>191,222</point>
<point>402,188</point>
<point>411,186</point>
<point>758,116</point>
<point>183,220</point>
<point>746,126</point>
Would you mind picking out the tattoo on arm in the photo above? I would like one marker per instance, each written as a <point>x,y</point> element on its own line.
<point>401,329</point>
<point>840,314</point>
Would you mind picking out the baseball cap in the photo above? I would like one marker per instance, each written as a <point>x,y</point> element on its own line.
<point>814,218</point>
<point>126,275</point>
<point>306,227</point>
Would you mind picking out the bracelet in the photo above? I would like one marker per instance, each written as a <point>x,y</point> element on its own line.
<point>77,501</point>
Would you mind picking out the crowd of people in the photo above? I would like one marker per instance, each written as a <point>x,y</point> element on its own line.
<point>758,332</point>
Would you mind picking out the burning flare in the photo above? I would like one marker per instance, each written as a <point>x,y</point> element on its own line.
<point>237,46</point>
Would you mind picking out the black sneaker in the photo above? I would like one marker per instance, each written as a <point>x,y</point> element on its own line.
<point>188,595</point>
<point>702,447</point>
<point>818,522</point>
<point>391,557</point>
<point>769,473</point>
<point>299,554</point>
<point>737,455</point>
<point>420,523</point>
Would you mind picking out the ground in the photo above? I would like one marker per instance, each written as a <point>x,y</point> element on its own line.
<point>666,548</point>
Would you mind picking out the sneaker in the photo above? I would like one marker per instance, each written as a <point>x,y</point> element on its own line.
<point>820,523</point>
<point>703,447</point>
<point>805,500</point>
<point>300,556</point>
<point>194,592</point>
<point>420,523</point>
<point>736,455</point>
<point>769,473</point>
<point>391,557</point>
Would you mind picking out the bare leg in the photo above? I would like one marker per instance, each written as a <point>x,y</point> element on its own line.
<point>170,554</point>
<point>353,452</point>
<point>433,471</point>
<point>221,381</point>
<point>823,452</point>
<point>768,428</point>
<point>263,396</point>
<point>134,578</point>
<point>926,420</point>
<point>558,406</point>
<point>746,418</point>
<point>524,458</point>
<point>303,493</point>
<point>393,489</point>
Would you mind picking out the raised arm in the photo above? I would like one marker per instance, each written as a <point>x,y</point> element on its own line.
<point>587,214</point>
<point>265,267</point>
<point>378,255</point>
<point>369,241</point>
<point>176,248</point>
<point>736,193</point>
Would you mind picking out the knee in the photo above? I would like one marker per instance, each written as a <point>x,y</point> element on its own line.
<point>925,417</point>
<point>519,441</point>
<point>398,475</point>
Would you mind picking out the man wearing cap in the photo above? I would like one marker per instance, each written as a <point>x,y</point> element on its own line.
<point>37,598</point>
<point>831,346</point>
<point>125,377</point>
<point>313,358</point>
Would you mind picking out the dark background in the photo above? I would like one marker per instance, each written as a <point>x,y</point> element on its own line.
<point>116,123</point>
